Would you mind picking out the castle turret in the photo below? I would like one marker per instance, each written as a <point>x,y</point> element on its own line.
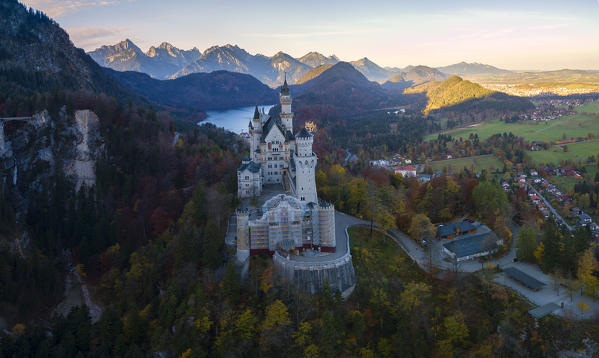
<point>255,130</point>
<point>305,163</point>
<point>286,114</point>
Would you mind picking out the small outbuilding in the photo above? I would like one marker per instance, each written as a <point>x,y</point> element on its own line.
<point>451,230</point>
<point>523,278</point>
<point>471,246</point>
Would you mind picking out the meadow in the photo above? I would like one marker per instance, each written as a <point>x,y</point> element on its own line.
<point>478,163</point>
<point>574,126</point>
<point>556,154</point>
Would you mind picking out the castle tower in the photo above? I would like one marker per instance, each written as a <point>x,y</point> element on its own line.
<point>286,114</point>
<point>255,130</point>
<point>305,163</point>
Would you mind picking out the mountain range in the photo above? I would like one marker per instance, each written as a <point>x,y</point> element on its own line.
<point>469,69</point>
<point>169,62</point>
<point>414,76</point>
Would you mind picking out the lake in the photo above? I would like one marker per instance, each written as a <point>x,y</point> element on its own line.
<point>235,120</point>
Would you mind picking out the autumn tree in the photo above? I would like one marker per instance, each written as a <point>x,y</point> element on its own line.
<point>455,333</point>
<point>526,244</point>
<point>587,273</point>
<point>275,327</point>
<point>490,200</point>
<point>421,228</point>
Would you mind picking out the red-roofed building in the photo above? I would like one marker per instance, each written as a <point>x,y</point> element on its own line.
<point>406,171</point>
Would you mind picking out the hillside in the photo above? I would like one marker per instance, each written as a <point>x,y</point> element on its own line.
<point>466,69</point>
<point>200,91</point>
<point>456,93</point>
<point>37,55</point>
<point>312,74</point>
<point>341,88</point>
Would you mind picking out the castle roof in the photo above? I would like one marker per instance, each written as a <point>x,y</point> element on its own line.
<point>251,166</point>
<point>285,88</point>
<point>256,113</point>
<point>270,123</point>
<point>303,134</point>
<point>289,135</point>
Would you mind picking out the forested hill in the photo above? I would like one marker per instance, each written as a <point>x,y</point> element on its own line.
<point>313,73</point>
<point>341,88</point>
<point>458,92</point>
<point>200,91</point>
<point>37,55</point>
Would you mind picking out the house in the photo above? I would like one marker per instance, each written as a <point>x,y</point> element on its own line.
<point>584,219</point>
<point>381,163</point>
<point>425,178</point>
<point>534,173</point>
<point>406,171</point>
<point>471,246</point>
<point>451,230</point>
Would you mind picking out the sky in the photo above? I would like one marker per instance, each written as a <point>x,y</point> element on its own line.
<point>516,35</point>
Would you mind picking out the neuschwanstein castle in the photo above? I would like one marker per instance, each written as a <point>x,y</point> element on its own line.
<point>292,219</point>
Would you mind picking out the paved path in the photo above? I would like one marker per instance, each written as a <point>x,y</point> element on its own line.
<point>548,294</point>
<point>436,257</point>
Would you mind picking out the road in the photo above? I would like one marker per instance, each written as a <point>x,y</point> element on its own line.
<point>555,214</point>
<point>436,257</point>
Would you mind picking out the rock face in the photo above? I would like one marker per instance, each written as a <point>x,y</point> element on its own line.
<point>45,144</point>
<point>81,167</point>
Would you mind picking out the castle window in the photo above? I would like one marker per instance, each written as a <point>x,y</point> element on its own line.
<point>247,177</point>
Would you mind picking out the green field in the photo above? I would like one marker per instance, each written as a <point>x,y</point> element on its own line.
<point>566,184</point>
<point>574,126</point>
<point>576,152</point>
<point>579,125</point>
<point>592,107</point>
<point>477,164</point>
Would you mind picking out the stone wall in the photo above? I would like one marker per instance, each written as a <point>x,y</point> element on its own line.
<point>311,276</point>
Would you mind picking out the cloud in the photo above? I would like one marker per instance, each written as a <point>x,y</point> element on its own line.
<point>58,8</point>
<point>90,38</point>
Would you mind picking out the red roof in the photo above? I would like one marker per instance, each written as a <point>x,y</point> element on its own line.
<point>408,168</point>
